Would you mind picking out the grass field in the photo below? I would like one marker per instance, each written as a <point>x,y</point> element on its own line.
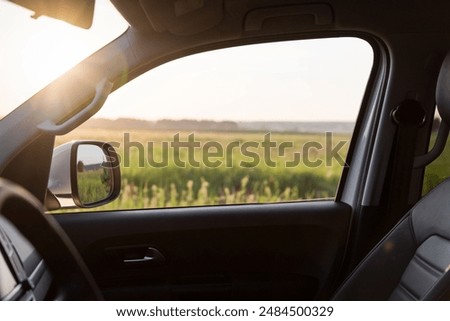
<point>172,186</point>
<point>438,170</point>
<point>144,186</point>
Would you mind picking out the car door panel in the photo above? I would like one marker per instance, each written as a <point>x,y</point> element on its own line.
<point>272,251</point>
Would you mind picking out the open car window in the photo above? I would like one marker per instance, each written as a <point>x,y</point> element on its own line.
<point>260,123</point>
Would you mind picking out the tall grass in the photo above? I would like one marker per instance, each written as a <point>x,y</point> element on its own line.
<point>173,186</point>
<point>438,170</point>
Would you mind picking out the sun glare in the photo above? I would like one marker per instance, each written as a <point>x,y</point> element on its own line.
<point>51,57</point>
<point>37,51</point>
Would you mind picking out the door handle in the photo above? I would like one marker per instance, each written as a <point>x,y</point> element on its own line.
<point>142,260</point>
<point>151,255</point>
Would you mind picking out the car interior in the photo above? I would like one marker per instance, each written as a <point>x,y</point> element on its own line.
<point>379,238</point>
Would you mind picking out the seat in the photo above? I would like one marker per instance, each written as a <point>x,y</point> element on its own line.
<point>412,261</point>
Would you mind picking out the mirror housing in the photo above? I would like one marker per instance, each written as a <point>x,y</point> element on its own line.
<point>83,174</point>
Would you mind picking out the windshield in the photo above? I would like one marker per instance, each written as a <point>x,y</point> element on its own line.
<point>37,51</point>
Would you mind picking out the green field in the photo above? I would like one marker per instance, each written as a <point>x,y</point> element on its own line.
<point>144,186</point>
<point>172,186</point>
<point>438,170</point>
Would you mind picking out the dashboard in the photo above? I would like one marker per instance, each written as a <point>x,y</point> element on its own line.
<point>23,273</point>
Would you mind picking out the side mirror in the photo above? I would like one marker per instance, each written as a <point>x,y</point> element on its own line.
<point>83,174</point>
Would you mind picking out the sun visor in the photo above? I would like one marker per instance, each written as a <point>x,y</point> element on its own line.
<point>79,13</point>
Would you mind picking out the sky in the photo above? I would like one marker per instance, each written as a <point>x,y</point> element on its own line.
<point>305,80</point>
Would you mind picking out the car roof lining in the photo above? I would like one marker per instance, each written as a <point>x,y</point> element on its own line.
<point>153,16</point>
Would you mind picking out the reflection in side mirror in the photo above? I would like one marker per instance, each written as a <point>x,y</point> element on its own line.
<point>93,175</point>
<point>83,174</point>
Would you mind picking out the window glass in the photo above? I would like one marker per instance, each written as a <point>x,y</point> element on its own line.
<point>251,124</point>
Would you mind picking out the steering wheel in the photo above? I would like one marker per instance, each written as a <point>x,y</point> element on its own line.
<point>72,279</point>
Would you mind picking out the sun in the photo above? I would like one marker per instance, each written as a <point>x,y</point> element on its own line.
<point>37,51</point>
<point>46,55</point>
